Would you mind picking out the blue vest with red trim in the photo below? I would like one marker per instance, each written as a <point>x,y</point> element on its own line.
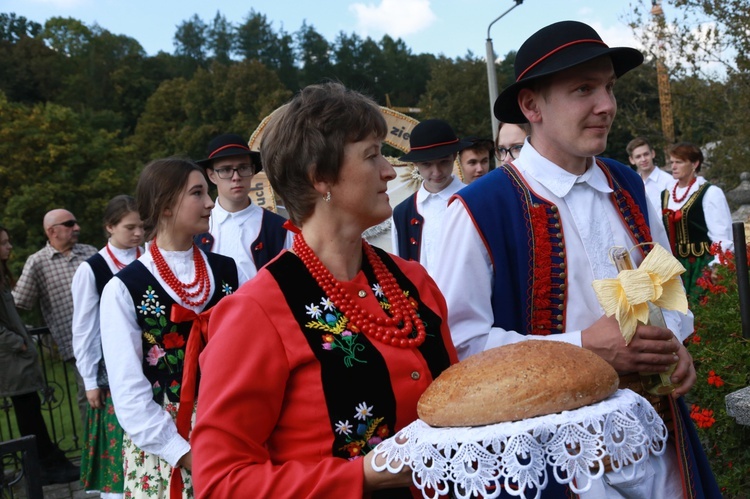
<point>268,244</point>
<point>523,233</point>
<point>525,238</point>
<point>408,223</point>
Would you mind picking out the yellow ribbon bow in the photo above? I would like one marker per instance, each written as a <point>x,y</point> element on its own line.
<point>656,281</point>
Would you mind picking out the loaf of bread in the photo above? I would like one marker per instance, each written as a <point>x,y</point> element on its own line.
<point>518,381</point>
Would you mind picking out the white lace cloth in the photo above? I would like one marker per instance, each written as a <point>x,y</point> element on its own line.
<point>482,461</point>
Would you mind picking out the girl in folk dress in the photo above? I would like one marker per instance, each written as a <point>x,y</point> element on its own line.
<point>101,460</point>
<point>156,311</point>
<point>696,215</point>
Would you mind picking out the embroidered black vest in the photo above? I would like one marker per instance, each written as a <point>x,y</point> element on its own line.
<point>691,231</point>
<point>351,365</point>
<point>102,275</point>
<point>409,225</point>
<point>268,244</point>
<point>164,341</point>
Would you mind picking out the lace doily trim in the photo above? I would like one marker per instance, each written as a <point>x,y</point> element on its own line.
<point>483,461</point>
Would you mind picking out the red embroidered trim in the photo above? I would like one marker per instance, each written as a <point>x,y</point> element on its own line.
<point>640,222</point>
<point>541,315</point>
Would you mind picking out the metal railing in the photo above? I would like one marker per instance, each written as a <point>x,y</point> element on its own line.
<point>58,397</point>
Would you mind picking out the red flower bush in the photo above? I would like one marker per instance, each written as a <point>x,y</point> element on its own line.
<point>721,357</point>
<point>704,418</point>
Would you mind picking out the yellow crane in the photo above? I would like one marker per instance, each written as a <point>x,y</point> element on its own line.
<point>662,77</point>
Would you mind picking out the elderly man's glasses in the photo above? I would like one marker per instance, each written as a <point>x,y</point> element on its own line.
<point>512,151</point>
<point>242,170</point>
<point>68,223</point>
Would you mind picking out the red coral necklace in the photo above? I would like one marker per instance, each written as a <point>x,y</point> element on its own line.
<point>674,191</point>
<point>201,280</point>
<point>117,262</point>
<point>403,328</point>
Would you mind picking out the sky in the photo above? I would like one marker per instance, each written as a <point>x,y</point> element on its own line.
<point>451,28</point>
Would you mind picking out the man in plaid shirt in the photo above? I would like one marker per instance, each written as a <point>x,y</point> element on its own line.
<point>46,279</point>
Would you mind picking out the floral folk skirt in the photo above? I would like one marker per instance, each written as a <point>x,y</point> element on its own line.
<point>147,475</point>
<point>101,460</point>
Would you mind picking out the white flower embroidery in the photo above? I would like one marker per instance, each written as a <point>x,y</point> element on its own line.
<point>158,309</point>
<point>343,427</point>
<point>326,303</point>
<point>144,307</point>
<point>377,290</point>
<point>313,310</point>
<point>150,295</point>
<point>363,411</point>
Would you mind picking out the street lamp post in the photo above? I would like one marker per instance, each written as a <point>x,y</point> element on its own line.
<point>491,73</point>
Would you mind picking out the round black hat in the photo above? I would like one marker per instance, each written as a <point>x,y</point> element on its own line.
<point>555,48</point>
<point>229,144</point>
<point>432,139</point>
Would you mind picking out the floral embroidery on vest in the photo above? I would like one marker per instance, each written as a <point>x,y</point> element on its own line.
<point>339,333</point>
<point>369,432</point>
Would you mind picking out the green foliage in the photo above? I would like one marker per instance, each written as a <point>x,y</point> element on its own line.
<point>182,116</point>
<point>721,356</point>
<point>705,46</point>
<point>53,157</point>
<point>457,92</point>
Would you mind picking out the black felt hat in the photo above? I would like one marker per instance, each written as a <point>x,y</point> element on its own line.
<point>432,139</point>
<point>555,48</point>
<point>229,144</point>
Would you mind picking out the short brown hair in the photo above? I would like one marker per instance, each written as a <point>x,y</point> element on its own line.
<point>304,142</point>
<point>687,151</point>
<point>117,208</point>
<point>159,187</point>
<point>636,143</point>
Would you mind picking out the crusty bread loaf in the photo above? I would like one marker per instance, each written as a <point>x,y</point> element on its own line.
<point>518,381</point>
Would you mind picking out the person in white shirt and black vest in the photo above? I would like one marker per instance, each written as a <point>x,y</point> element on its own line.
<point>238,228</point>
<point>417,221</point>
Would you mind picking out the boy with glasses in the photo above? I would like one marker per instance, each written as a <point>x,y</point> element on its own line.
<point>238,228</point>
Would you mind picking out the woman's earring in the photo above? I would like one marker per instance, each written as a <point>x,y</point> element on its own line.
<point>327,197</point>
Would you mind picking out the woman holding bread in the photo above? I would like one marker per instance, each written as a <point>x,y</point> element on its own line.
<point>327,351</point>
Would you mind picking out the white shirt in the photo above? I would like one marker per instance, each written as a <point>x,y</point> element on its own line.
<point>234,235</point>
<point>655,183</point>
<point>591,225</point>
<point>715,210</point>
<point>87,340</point>
<point>149,426</point>
<point>432,206</point>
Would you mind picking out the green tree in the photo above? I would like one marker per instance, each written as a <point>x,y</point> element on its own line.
<point>53,157</point>
<point>314,54</point>
<point>467,110</point>
<point>257,40</point>
<point>191,41</point>
<point>30,70</point>
<point>220,39</point>
<point>66,35</point>
<point>13,28</point>
<point>182,116</point>
<point>704,44</point>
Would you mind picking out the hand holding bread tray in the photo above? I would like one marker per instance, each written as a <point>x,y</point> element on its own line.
<point>497,419</point>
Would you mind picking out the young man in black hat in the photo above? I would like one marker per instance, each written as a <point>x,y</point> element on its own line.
<point>474,160</point>
<point>238,228</point>
<point>527,241</point>
<point>417,221</point>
